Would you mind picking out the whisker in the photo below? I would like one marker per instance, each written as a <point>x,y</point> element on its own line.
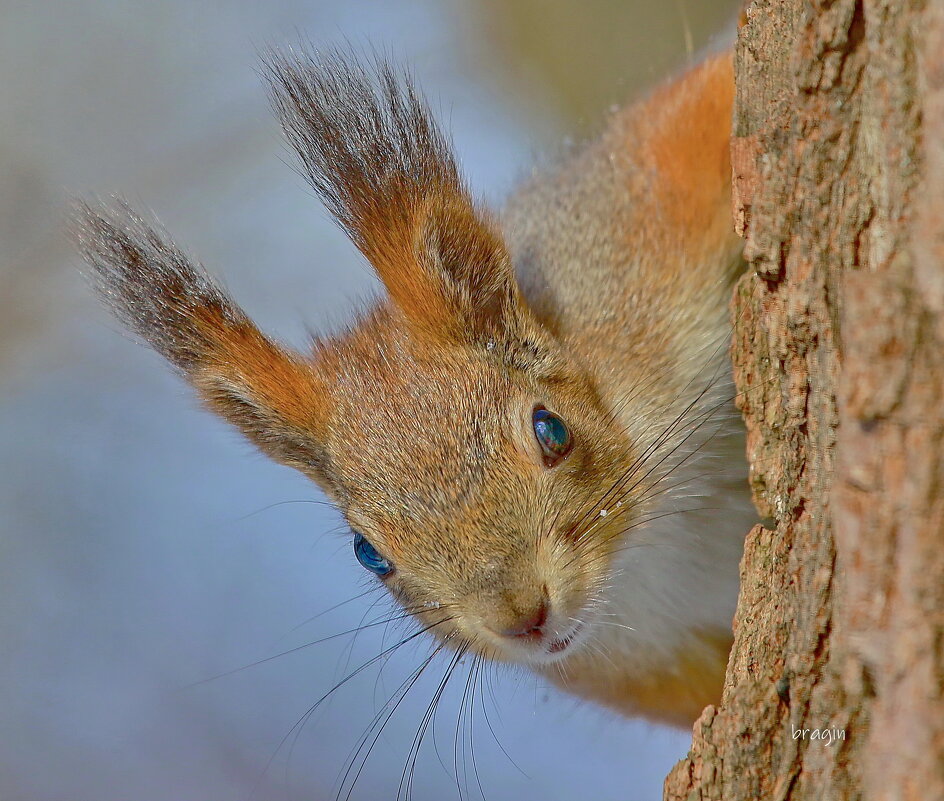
<point>347,652</point>
<point>308,713</point>
<point>622,486</point>
<point>611,623</point>
<point>400,694</point>
<point>406,777</point>
<point>294,650</point>
<point>459,742</point>
<point>330,609</point>
<point>283,503</point>
<point>476,666</point>
<point>643,456</point>
<point>675,448</point>
<point>487,684</point>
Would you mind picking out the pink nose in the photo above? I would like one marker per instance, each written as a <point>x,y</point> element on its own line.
<point>530,626</point>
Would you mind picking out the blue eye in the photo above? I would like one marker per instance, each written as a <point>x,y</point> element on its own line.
<point>552,434</point>
<point>370,557</point>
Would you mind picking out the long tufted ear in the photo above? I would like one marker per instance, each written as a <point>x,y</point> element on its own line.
<point>369,146</point>
<point>270,394</point>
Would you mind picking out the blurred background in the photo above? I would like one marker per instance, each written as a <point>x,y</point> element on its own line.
<point>143,546</point>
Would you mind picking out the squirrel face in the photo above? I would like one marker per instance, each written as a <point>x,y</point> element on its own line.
<point>435,460</point>
<point>420,421</point>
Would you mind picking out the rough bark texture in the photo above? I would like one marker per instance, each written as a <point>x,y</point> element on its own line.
<point>839,356</point>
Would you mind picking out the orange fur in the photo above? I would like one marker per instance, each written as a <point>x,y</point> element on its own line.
<point>684,131</point>
<point>600,295</point>
<point>676,695</point>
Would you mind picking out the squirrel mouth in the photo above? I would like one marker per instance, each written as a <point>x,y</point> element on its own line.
<point>559,645</point>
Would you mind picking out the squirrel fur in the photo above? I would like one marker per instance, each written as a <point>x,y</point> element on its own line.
<point>599,294</point>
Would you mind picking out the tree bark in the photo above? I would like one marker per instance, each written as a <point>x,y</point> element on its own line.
<point>838,156</point>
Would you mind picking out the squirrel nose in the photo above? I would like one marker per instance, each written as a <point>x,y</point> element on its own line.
<point>529,626</point>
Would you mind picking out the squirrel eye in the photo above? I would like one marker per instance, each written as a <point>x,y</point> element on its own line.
<point>370,557</point>
<point>552,435</point>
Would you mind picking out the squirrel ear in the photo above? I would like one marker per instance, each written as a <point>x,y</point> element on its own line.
<point>464,260</point>
<point>370,147</point>
<point>269,393</point>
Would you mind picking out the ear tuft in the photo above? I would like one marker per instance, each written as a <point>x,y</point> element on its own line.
<point>150,285</point>
<point>271,394</point>
<point>370,147</point>
<point>367,144</point>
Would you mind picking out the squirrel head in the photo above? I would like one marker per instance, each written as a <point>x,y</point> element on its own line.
<point>465,445</point>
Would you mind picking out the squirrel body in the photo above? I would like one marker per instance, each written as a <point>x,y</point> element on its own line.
<point>532,436</point>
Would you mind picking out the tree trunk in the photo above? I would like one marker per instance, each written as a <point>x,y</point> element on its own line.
<point>835,685</point>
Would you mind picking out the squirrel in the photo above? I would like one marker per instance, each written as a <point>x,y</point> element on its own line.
<point>532,436</point>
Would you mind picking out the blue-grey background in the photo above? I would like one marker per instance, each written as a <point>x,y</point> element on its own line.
<point>143,546</point>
